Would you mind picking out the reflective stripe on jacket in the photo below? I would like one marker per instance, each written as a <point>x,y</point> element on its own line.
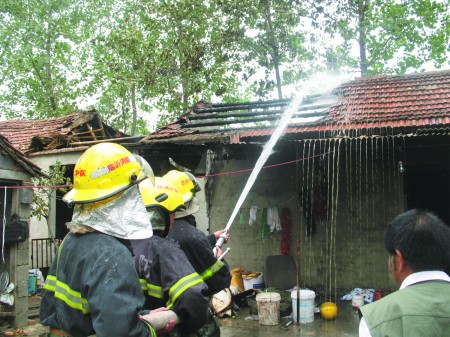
<point>92,288</point>
<point>215,273</point>
<point>168,280</point>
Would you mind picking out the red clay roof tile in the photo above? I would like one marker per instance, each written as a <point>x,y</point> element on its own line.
<point>382,101</point>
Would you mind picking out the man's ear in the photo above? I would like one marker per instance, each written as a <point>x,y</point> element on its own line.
<point>401,260</point>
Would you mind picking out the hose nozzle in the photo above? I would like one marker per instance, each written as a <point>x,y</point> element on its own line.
<point>220,241</point>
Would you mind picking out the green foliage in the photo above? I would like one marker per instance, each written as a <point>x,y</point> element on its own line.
<point>392,36</point>
<point>272,36</point>
<point>46,188</point>
<point>37,46</point>
<point>133,59</point>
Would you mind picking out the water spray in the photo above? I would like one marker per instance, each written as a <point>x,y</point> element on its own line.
<point>283,122</point>
<point>299,110</point>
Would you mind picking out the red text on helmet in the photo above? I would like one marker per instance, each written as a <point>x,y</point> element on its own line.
<point>80,173</point>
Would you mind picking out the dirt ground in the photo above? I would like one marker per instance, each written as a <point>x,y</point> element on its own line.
<point>34,329</point>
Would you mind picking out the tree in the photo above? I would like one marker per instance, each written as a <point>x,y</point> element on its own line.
<point>46,185</point>
<point>274,40</point>
<point>135,58</point>
<point>392,36</point>
<point>161,56</point>
<point>194,56</point>
<point>37,50</point>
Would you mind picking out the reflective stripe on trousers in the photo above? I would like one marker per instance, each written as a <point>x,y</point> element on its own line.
<point>58,333</point>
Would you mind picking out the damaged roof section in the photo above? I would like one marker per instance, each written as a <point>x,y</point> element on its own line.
<point>368,105</point>
<point>235,116</point>
<point>223,122</point>
<point>22,164</point>
<point>59,132</point>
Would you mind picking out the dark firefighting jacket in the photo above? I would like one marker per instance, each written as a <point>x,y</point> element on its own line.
<point>199,250</point>
<point>92,288</point>
<point>168,280</point>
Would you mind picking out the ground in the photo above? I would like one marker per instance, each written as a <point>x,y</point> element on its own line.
<point>244,324</point>
<point>345,325</point>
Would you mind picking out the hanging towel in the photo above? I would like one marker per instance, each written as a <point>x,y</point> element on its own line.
<point>253,211</point>
<point>264,223</point>
<point>273,219</point>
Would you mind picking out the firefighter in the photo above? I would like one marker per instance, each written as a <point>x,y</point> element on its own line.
<point>197,245</point>
<point>92,286</point>
<point>166,276</point>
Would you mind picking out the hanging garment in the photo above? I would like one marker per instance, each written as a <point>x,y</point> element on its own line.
<point>252,218</point>
<point>273,219</point>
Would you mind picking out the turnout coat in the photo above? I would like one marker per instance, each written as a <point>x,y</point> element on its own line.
<point>168,280</point>
<point>199,250</point>
<point>93,288</point>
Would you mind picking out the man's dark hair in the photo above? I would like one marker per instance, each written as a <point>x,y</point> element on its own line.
<point>423,239</point>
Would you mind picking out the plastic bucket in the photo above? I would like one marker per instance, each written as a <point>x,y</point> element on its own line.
<point>306,306</point>
<point>268,308</point>
<point>253,282</point>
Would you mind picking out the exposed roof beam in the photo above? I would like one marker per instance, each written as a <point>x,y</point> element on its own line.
<point>226,121</point>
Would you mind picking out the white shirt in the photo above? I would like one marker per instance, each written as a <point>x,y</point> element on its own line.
<point>410,279</point>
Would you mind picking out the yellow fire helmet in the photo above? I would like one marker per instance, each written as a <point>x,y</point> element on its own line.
<point>102,171</point>
<point>185,182</point>
<point>328,310</point>
<point>162,194</point>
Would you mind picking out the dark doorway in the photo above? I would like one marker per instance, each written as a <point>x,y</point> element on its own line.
<point>427,176</point>
<point>428,188</point>
<point>63,212</point>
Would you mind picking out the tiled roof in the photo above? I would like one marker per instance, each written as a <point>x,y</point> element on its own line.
<point>392,101</point>
<point>22,162</point>
<point>376,103</point>
<point>53,133</point>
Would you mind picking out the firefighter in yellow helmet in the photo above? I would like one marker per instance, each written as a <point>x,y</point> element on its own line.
<point>196,244</point>
<point>92,286</point>
<point>166,276</point>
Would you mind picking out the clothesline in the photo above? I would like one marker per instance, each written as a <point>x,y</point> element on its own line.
<point>205,176</point>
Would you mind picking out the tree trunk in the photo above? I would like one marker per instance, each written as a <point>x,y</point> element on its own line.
<point>133,104</point>
<point>362,38</point>
<point>49,79</point>
<point>278,76</point>
<point>275,53</point>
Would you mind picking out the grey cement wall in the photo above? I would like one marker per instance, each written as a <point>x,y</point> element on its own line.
<point>345,252</point>
<point>19,257</point>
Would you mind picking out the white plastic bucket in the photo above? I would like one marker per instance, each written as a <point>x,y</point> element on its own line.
<point>268,308</point>
<point>253,282</point>
<point>306,305</point>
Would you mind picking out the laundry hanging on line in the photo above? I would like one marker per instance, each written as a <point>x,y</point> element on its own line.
<point>252,218</point>
<point>273,219</point>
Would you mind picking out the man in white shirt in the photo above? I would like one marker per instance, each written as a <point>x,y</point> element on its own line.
<point>418,244</point>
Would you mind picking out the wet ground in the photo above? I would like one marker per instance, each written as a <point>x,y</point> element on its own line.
<point>345,325</point>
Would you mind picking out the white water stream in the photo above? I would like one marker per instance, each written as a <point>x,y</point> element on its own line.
<point>283,122</point>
